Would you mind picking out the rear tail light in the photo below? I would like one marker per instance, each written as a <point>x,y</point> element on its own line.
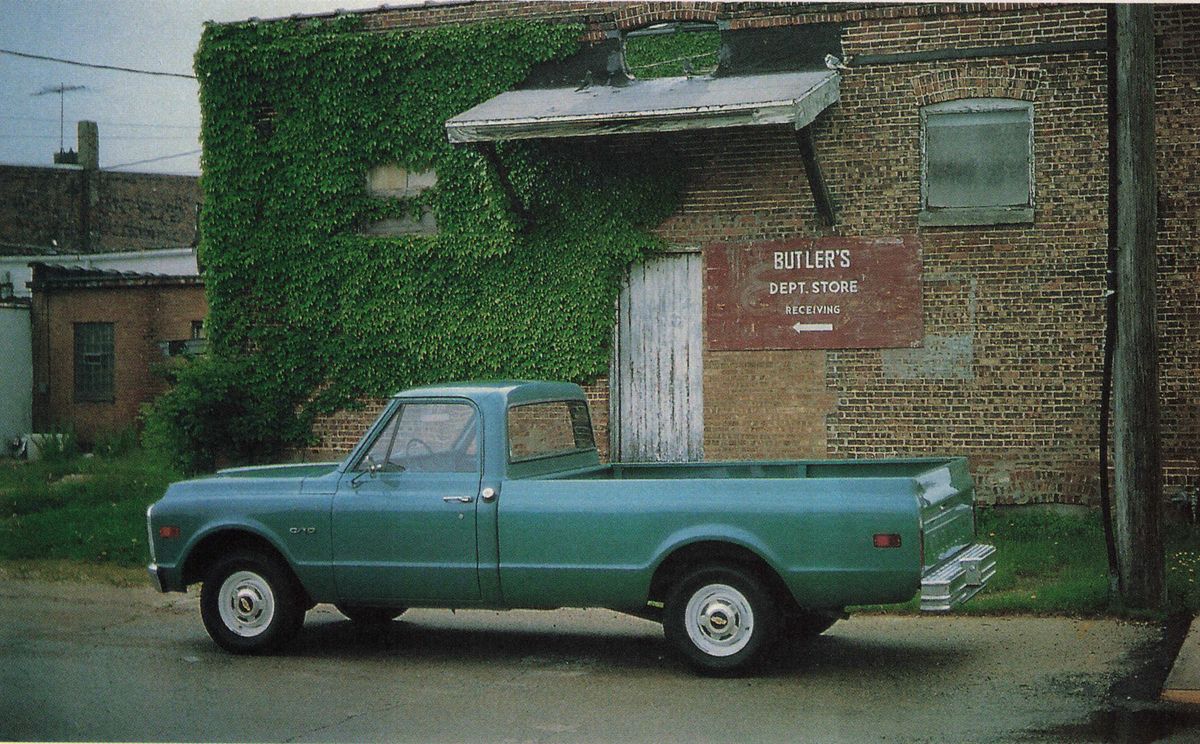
<point>887,540</point>
<point>168,532</point>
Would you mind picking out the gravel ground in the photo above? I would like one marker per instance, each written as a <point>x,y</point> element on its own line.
<point>87,661</point>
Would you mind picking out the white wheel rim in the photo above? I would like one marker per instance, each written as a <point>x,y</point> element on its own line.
<point>246,603</point>
<point>719,620</point>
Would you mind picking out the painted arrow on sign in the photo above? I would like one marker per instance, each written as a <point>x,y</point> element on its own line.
<point>810,327</point>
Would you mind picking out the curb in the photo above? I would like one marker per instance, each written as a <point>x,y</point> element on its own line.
<point>1183,683</point>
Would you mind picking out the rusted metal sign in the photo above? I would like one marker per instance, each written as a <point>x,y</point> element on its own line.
<point>823,293</point>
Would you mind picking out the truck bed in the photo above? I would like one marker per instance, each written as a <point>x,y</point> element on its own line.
<point>898,468</point>
<point>844,503</point>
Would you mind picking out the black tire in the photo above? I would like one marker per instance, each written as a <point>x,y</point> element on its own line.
<point>250,602</point>
<point>721,619</point>
<point>362,615</point>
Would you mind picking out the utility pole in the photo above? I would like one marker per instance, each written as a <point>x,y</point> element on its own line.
<point>1137,461</point>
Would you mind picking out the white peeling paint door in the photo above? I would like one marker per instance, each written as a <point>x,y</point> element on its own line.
<point>657,400</point>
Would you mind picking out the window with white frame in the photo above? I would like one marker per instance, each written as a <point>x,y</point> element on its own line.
<point>977,162</point>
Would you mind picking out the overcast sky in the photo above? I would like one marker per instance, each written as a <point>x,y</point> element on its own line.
<point>141,117</point>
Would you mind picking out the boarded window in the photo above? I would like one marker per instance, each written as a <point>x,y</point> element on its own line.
<point>94,362</point>
<point>398,183</point>
<point>546,429</point>
<point>977,165</point>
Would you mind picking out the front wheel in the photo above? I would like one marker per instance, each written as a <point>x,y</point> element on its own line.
<point>720,618</point>
<point>249,603</point>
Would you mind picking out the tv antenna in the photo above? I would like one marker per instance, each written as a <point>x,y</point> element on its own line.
<point>61,89</point>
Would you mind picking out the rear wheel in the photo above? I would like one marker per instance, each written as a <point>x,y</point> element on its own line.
<point>250,603</point>
<point>720,618</point>
<point>361,615</point>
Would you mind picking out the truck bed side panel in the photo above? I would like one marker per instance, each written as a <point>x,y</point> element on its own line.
<point>597,542</point>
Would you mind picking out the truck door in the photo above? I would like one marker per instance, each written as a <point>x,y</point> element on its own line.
<point>404,515</point>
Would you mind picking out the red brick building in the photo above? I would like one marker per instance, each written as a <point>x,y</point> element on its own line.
<point>97,336</point>
<point>1009,323</point>
<point>76,215</point>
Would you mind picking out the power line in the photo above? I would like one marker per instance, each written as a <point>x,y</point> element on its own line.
<point>76,63</point>
<point>153,160</point>
<point>192,127</point>
<point>105,138</point>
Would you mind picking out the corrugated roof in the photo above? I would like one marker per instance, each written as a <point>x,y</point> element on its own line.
<point>658,105</point>
<point>47,274</point>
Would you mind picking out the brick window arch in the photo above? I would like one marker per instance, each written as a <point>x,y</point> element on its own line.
<point>633,16</point>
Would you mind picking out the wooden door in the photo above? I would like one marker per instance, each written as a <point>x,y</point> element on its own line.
<point>657,401</point>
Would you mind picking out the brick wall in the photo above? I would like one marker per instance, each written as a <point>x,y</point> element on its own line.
<point>141,317</point>
<point>41,207</point>
<point>1009,372</point>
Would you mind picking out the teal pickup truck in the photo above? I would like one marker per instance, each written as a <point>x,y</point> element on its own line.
<point>492,495</point>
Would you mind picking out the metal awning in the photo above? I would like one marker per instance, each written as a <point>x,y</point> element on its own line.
<point>656,105</point>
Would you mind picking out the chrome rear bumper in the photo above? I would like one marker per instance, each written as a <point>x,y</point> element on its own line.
<point>959,579</point>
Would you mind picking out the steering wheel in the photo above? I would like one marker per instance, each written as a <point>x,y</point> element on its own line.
<point>415,442</point>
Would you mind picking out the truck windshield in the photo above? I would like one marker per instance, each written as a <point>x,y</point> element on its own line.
<point>537,430</point>
<point>427,437</point>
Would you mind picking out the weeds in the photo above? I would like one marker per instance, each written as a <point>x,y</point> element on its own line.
<point>80,508</point>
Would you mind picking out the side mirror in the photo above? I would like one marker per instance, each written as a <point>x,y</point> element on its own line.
<point>371,469</point>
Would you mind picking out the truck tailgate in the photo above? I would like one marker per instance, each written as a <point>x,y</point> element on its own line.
<point>955,567</point>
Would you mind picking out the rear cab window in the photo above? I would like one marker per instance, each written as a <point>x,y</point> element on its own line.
<point>540,431</point>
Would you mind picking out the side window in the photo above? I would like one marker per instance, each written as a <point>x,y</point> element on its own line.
<point>429,438</point>
<point>94,362</point>
<point>977,162</point>
<point>546,429</point>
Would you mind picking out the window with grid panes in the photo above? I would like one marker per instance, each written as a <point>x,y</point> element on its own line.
<point>93,361</point>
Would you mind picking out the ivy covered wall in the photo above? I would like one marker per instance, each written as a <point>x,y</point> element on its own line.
<point>308,312</point>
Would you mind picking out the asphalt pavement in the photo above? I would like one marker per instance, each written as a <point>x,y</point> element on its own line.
<point>81,661</point>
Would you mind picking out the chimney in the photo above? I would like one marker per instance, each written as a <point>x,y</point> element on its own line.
<point>88,138</point>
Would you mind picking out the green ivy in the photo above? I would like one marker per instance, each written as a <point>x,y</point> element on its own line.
<point>673,55</point>
<point>315,315</point>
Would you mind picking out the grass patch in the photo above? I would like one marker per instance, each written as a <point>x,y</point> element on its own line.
<point>1050,563</point>
<point>89,509</point>
<point>75,571</point>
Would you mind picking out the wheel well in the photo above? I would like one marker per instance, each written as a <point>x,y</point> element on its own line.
<point>223,542</point>
<point>714,552</point>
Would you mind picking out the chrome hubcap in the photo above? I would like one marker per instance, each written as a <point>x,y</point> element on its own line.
<point>247,603</point>
<point>719,620</point>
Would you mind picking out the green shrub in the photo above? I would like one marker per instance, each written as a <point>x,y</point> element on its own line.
<point>219,410</point>
<point>117,443</point>
<point>57,445</point>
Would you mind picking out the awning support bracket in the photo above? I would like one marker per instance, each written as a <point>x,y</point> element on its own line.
<point>826,209</point>
<point>488,150</point>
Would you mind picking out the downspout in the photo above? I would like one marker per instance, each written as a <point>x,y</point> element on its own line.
<point>1110,311</point>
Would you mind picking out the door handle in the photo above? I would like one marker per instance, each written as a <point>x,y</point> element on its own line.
<point>458,499</point>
